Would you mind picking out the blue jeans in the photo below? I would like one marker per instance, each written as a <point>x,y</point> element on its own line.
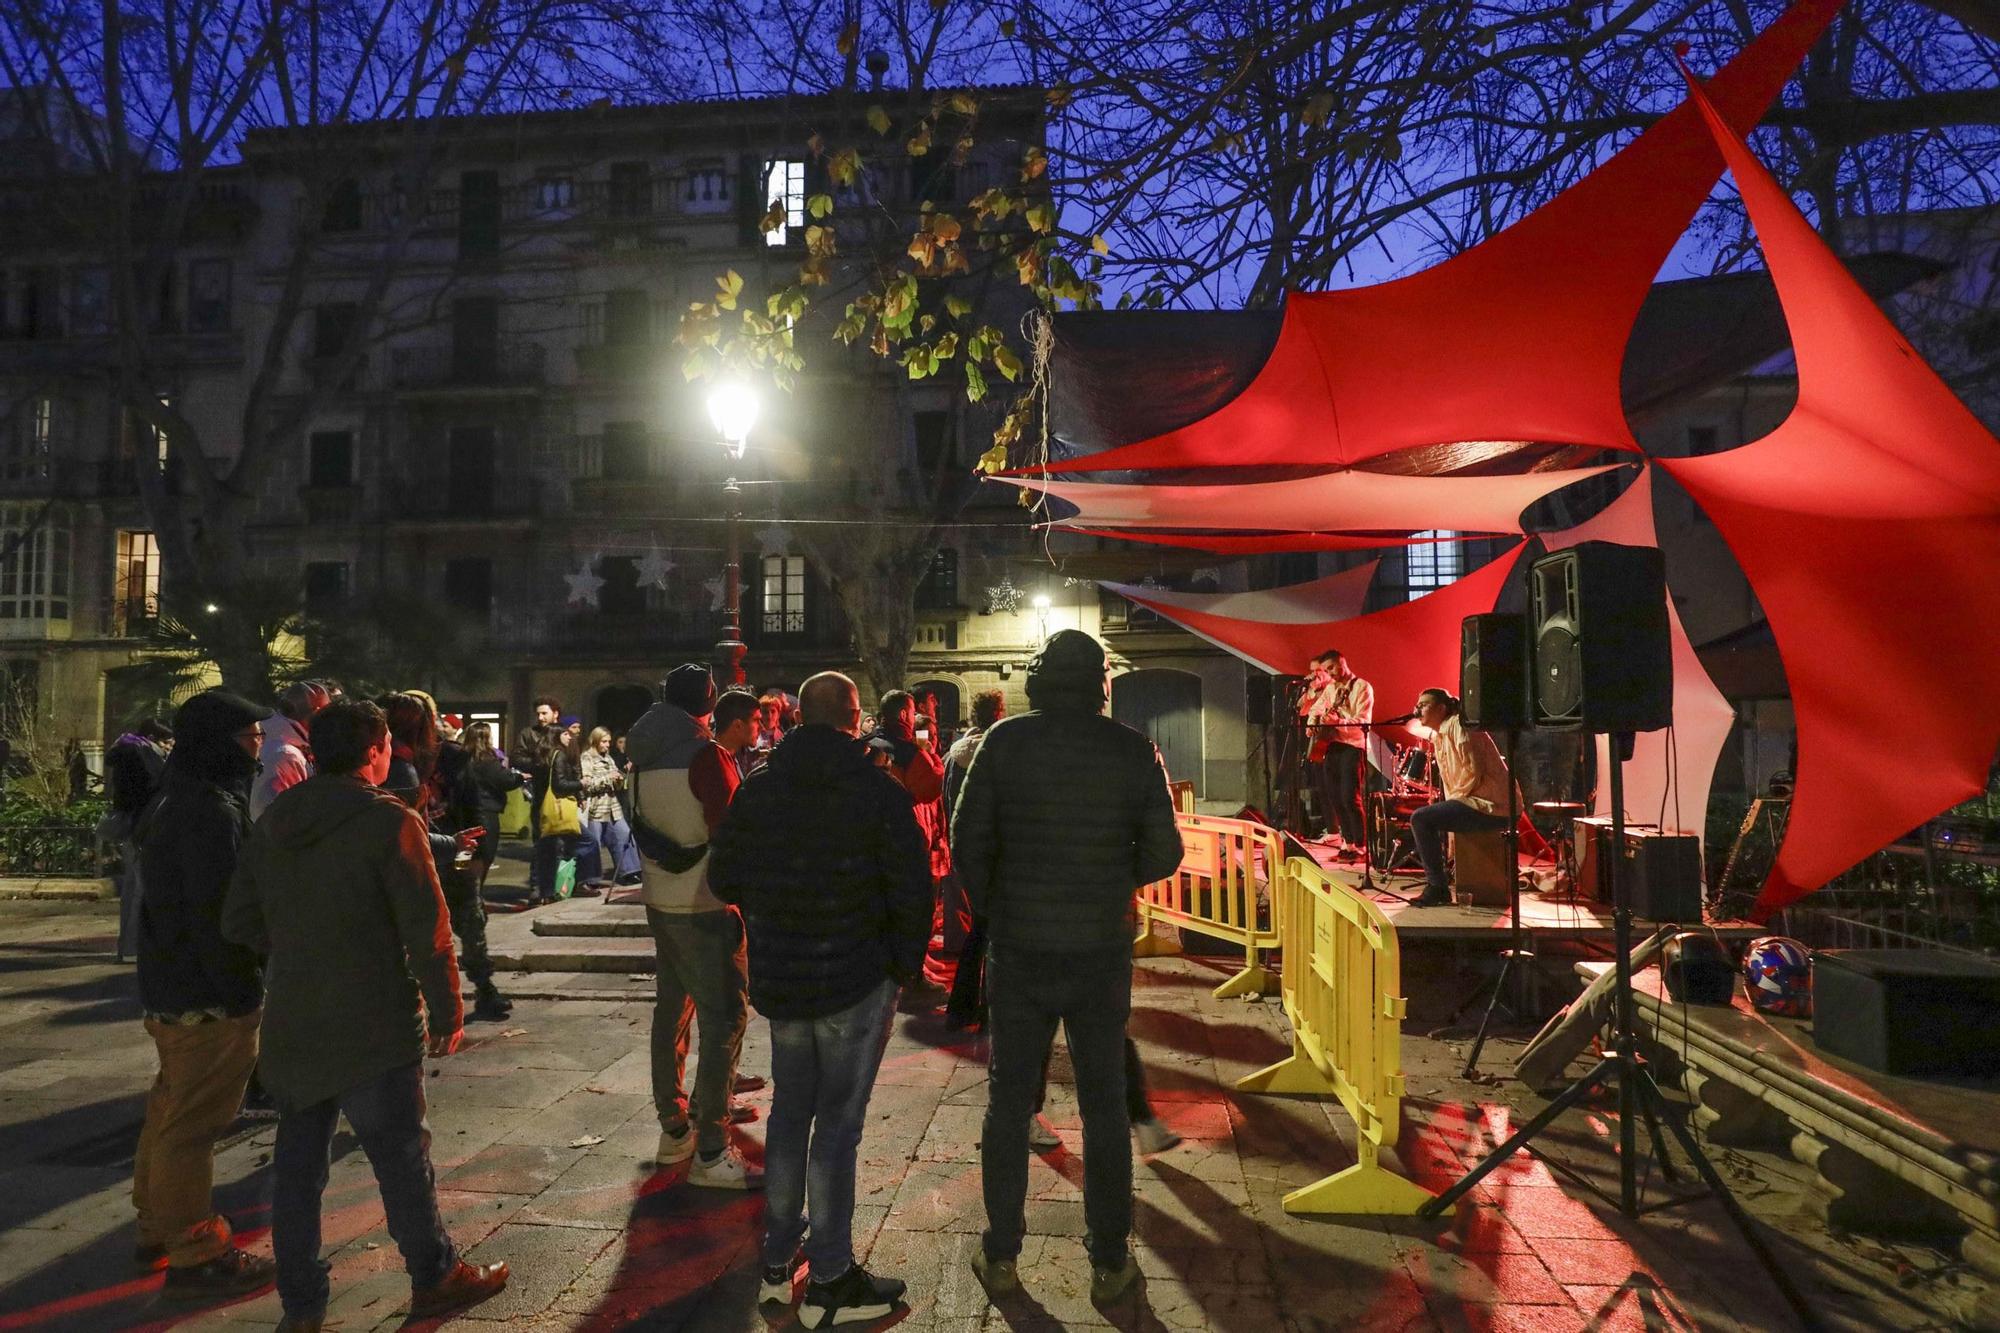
<point>1090,993</point>
<point>822,1072</point>
<point>1429,824</point>
<point>616,839</point>
<point>387,1115</point>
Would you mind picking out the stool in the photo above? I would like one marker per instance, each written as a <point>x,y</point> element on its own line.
<point>1479,869</point>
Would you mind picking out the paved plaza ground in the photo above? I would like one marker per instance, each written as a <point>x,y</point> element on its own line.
<point>543,1126</point>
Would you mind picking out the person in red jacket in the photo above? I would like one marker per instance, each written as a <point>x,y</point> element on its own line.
<point>911,745</point>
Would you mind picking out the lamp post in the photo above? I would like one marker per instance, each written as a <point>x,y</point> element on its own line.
<point>732,408</point>
<point>1041,605</point>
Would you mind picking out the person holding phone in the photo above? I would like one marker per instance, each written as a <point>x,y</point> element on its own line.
<point>914,763</point>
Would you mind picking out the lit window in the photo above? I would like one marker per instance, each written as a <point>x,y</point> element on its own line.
<point>785,183</point>
<point>555,192</point>
<point>784,594</point>
<point>35,574</point>
<point>1434,561</point>
<point>138,579</point>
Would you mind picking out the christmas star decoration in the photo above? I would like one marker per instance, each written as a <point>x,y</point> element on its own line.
<point>714,587</point>
<point>772,541</point>
<point>584,584</point>
<point>653,567</point>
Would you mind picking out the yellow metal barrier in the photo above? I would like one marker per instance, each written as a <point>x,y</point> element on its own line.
<point>1223,862</point>
<point>1343,992</point>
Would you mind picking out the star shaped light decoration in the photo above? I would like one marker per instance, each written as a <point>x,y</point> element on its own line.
<point>715,587</point>
<point>653,567</point>
<point>584,584</point>
<point>773,541</point>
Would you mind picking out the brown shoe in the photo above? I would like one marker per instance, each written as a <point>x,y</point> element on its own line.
<point>467,1284</point>
<point>231,1273</point>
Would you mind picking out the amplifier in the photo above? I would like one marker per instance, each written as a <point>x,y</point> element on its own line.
<point>1590,836</point>
<point>1907,1011</point>
<point>1662,875</point>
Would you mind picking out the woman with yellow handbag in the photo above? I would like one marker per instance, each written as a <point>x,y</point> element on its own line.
<point>562,823</point>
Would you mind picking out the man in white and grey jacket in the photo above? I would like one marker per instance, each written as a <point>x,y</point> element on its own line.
<point>286,755</point>
<point>682,782</point>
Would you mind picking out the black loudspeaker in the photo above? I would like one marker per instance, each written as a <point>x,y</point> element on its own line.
<point>1257,688</point>
<point>1907,1011</point>
<point>1662,874</point>
<point>1493,672</point>
<point>1603,661</point>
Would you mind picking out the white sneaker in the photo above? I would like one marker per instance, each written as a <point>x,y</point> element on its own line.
<point>1154,1136</point>
<point>776,1285</point>
<point>1042,1135</point>
<point>727,1172</point>
<point>675,1147</point>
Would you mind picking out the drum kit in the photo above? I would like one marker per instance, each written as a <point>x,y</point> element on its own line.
<point>1412,785</point>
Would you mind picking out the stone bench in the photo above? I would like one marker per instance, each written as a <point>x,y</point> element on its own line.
<point>1893,1156</point>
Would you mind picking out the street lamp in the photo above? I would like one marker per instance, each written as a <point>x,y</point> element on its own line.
<point>732,408</point>
<point>1041,605</point>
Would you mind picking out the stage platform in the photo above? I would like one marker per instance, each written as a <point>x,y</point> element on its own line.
<point>1543,916</point>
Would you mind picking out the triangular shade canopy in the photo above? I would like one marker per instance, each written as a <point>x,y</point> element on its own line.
<point>1330,502</point>
<point>1519,338</point>
<point>1400,650</point>
<point>1869,526</point>
<point>1335,597</point>
<point>1668,775</point>
<point>1268,543</point>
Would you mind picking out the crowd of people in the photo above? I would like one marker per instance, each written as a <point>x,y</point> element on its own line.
<point>299,873</point>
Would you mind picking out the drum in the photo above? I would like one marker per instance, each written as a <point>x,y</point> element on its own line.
<point>1414,771</point>
<point>1389,826</point>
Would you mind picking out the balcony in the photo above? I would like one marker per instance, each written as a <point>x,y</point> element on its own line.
<point>510,366</point>
<point>476,501</point>
<point>686,630</point>
<point>623,361</point>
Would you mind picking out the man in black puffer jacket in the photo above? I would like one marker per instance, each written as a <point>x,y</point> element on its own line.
<point>1063,815</point>
<point>822,852</point>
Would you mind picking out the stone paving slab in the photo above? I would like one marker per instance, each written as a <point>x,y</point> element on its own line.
<point>543,1129</point>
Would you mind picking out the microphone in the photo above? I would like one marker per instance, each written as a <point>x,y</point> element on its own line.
<point>1385,721</point>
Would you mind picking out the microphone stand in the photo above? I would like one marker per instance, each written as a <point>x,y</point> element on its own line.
<point>1367,834</point>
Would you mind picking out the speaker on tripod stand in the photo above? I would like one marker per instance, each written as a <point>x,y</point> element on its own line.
<point>1602,661</point>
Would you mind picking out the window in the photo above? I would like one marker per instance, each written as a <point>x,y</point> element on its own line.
<point>975,177</point>
<point>554,194</point>
<point>470,465</point>
<point>468,586</point>
<point>631,192</point>
<point>25,454</point>
<point>935,443</point>
<point>343,207</point>
<point>38,304</point>
<point>626,451</point>
<point>933,177</point>
<point>784,599</point>
<point>622,594</point>
<point>478,213</point>
<point>628,318</point>
<point>707,189</point>
<point>475,339</point>
<point>35,574</point>
<point>1433,561</point>
<point>90,300</point>
<point>138,581</point>
<point>1297,567</point>
<point>1702,440</point>
<point>326,585</point>
<point>939,589</point>
<point>330,458</point>
<point>334,328</point>
<point>785,184</point>
<point>208,296</point>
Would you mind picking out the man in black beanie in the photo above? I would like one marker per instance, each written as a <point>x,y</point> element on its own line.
<point>1063,816</point>
<point>202,994</point>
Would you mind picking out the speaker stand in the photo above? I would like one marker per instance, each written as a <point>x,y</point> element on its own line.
<point>1516,953</point>
<point>1638,1095</point>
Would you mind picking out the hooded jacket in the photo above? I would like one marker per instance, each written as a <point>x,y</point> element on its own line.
<point>337,889</point>
<point>287,760</point>
<point>1064,812</point>
<point>132,769</point>
<point>822,852</point>
<point>188,837</point>
<point>682,781</point>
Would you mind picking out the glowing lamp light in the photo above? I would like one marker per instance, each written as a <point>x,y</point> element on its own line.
<point>211,608</point>
<point>732,407</point>
<point>1041,603</point>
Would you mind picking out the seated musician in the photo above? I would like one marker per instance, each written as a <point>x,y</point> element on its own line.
<point>1474,779</point>
<point>1335,696</point>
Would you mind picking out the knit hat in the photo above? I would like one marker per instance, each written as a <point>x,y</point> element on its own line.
<point>690,687</point>
<point>1068,673</point>
<point>205,729</point>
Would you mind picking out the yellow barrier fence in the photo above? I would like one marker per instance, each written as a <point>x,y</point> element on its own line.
<point>1224,863</point>
<point>1343,991</point>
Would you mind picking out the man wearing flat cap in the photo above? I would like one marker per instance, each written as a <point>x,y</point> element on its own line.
<point>682,782</point>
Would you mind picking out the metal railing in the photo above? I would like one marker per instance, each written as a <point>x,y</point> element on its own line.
<point>510,363</point>
<point>51,851</point>
<point>1223,888</point>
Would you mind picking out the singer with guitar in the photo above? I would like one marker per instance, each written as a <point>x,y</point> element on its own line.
<point>1337,707</point>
